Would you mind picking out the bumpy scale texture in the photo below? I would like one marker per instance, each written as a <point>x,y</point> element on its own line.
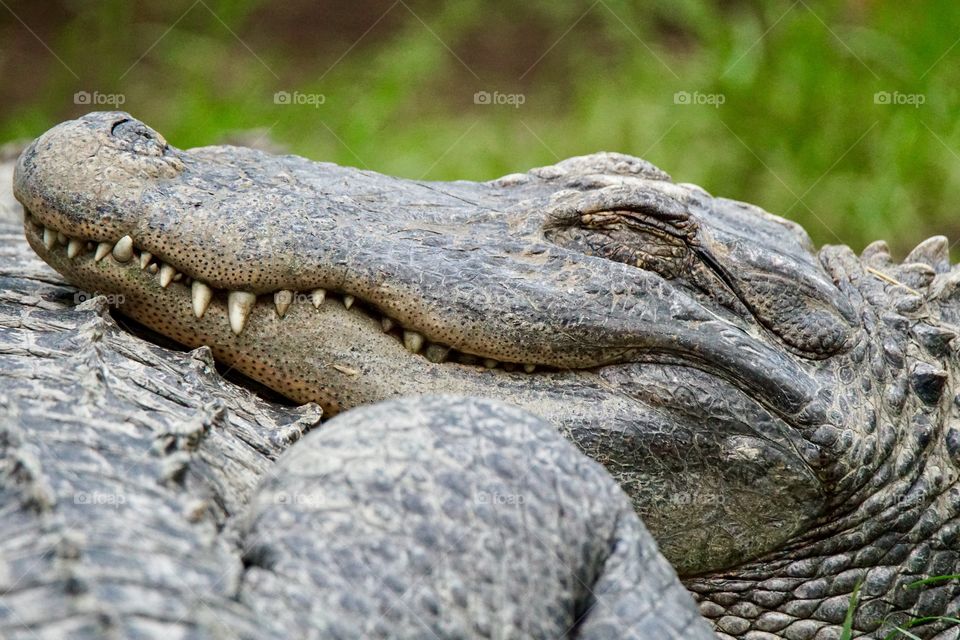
<point>450,518</point>
<point>130,507</point>
<point>785,420</point>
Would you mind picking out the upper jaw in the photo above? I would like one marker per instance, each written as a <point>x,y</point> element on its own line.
<point>460,266</point>
<point>480,320</point>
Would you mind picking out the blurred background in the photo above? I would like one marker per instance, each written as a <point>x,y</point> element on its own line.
<point>842,115</point>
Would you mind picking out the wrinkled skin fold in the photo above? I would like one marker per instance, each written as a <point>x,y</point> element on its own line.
<point>785,421</point>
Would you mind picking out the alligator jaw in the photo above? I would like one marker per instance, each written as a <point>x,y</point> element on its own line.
<point>322,346</point>
<point>466,266</point>
<point>252,333</point>
<point>85,260</point>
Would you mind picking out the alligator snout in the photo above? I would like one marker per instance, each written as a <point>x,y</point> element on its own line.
<point>85,177</point>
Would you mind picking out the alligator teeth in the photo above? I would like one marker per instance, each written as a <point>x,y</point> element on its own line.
<point>49,238</point>
<point>437,353</point>
<point>413,341</point>
<point>145,259</point>
<point>239,305</point>
<point>490,363</point>
<point>123,251</point>
<point>348,301</point>
<point>387,324</point>
<point>201,294</point>
<point>282,300</point>
<point>62,237</point>
<point>153,268</point>
<point>529,368</point>
<point>102,250</point>
<point>74,247</point>
<point>318,295</point>
<point>166,275</point>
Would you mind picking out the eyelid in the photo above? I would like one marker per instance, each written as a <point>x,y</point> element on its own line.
<point>685,228</point>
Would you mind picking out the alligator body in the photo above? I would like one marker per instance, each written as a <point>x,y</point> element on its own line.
<point>131,508</point>
<point>785,421</point>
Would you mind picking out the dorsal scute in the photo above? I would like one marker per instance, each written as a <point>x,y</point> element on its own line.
<point>934,252</point>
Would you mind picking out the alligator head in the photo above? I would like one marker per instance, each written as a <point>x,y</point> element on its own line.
<point>784,421</point>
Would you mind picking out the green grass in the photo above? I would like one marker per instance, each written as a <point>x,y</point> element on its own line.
<point>798,132</point>
<point>900,630</point>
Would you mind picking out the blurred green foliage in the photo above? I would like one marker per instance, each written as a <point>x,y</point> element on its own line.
<point>800,130</point>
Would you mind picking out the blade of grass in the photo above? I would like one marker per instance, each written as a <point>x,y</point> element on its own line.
<point>847,632</point>
<point>932,580</point>
<point>917,621</point>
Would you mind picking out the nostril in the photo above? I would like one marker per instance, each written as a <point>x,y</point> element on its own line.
<point>113,129</point>
<point>137,137</point>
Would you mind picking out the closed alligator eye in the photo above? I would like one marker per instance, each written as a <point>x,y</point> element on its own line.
<point>655,234</point>
<point>703,251</point>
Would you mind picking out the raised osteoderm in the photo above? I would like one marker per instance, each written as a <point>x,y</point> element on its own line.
<point>785,420</point>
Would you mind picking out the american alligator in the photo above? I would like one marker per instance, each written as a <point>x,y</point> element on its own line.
<point>785,421</point>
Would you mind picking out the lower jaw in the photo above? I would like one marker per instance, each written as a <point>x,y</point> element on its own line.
<point>331,355</point>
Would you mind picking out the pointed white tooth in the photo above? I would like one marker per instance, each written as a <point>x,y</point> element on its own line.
<point>529,368</point>
<point>413,341</point>
<point>201,295</point>
<point>318,295</point>
<point>102,250</point>
<point>166,275</point>
<point>62,237</point>
<point>153,267</point>
<point>74,247</point>
<point>282,300</point>
<point>348,301</point>
<point>386,323</point>
<point>239,305</point>
<point>490,363</point>
<point>123,251</point>
<point>49,238</point>
<point>145,259</point>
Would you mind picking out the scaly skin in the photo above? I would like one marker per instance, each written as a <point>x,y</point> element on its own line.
<point>786,422</point>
